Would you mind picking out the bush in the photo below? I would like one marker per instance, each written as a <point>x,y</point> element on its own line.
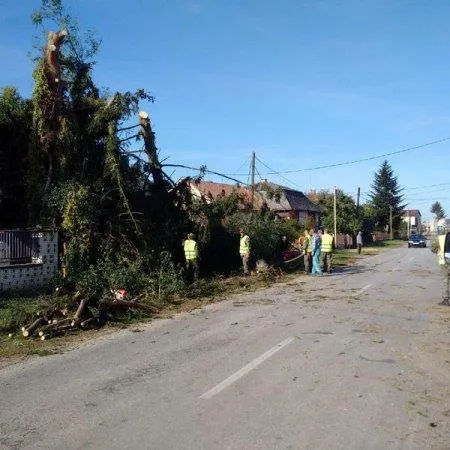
<point>166,280</point>
<point>434,247</point>
<point>265,234</point>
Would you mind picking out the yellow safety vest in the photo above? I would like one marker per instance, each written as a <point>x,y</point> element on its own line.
<point>244,245</point>
<point>310,248</point>
<point>327,243</point>
<point>306,243</point>
<point>190,249</point>
<point>441,249</point>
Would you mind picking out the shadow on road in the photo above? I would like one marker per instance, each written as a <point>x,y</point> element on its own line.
<point>350,270</point>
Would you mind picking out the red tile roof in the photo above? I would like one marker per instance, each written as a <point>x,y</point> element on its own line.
<point>210,191</point>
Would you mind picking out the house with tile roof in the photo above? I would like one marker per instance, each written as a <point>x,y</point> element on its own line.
<point>286,203</point>
<point>210,191</point>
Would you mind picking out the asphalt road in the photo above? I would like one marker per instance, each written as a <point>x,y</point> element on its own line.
<point>357,360</point>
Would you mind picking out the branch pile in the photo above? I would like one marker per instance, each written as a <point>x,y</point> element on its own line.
<point>57,321</point>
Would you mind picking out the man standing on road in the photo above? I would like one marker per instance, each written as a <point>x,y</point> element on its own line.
<point>326,251</point>
<point>191,255</point>
<point>244,250</point>
<point>307,251</point>
<point>359,242</point>
<point>445,271</point>
<point>315,252</point>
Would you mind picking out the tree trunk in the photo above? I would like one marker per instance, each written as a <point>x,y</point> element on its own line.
<point>150,149</point>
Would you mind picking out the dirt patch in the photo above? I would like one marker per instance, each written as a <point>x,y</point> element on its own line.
<point>421,272</point>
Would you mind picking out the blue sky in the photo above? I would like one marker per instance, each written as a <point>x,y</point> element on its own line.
<point>303,83</point>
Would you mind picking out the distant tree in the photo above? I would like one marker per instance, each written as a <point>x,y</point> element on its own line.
<point>386,193</point>
<point>437,210</point>
<point>348,220</point>
<point>15,122</point>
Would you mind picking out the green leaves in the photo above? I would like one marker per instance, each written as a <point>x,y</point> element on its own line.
<point>348,218</point>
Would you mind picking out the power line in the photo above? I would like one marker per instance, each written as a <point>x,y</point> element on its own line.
<point>427,186</point>
<point>426,192</point>
<point>202,169</point>
<point>355,161</point>
<point>418,200</point>
<point>246,162</point>
<point>277,173</point>
<point>257,171</point>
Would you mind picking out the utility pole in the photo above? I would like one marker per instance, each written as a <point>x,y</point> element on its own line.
<point>335,215</point>
<point>357,198</point>
<point>390,223</point>
<point>252,179</point>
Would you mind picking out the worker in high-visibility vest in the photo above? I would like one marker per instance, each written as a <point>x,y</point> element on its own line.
<point>445,270</point>
<point>307,251</point>
<point>244,250</point>
<point>326,251</point>
<point>191,255</point>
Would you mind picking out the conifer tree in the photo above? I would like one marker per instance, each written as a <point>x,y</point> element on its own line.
<point>437,210</point>
<point>386,193</point>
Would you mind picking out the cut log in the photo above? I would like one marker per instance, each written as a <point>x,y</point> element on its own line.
<point>87,322</point>
<point>46,328</point>
<point>56,331</point>
<point>29,330</point>
<point>81,307</point>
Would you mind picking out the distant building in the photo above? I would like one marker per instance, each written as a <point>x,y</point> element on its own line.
<point>286,203</point>
<point>413,219</point>
<point>210,191</point>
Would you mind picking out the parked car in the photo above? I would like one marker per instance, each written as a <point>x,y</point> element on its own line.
<point>417,240</point>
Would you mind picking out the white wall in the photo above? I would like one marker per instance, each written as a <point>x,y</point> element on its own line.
<point>37,274</point>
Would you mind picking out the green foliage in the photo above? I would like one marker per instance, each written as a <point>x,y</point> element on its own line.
<point>437,210</point>
<point>166,279</point>
<point>386,193</point>
<point>434,246</point>
<point>119,228</point>
<point>107,274</point>
<point>15,119</point>
<point>265,234</point>
<point>348,217</point>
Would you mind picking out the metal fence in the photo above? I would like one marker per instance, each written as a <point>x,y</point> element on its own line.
<point>18,247</point>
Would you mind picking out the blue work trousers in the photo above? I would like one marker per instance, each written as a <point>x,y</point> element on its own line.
<point>316,269</point>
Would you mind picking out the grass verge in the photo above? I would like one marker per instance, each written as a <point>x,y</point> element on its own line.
<point>16,312</point>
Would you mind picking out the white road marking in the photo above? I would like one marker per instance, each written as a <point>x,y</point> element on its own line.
<point>246,369</point>
<point>411,259</point>
<point>363,289</point>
